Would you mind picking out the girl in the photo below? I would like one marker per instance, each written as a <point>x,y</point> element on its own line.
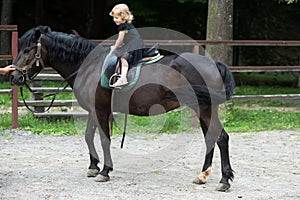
<point>7,69</point>
<point>129,45</point>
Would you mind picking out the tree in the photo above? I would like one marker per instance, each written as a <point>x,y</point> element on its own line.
<point>6,18</point>
<point>5,37</point>
<point>220,27</point>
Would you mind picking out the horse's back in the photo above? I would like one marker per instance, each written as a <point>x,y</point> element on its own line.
<point>199,70</point>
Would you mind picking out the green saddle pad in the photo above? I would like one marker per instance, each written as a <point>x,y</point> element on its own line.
<point>104,81</point>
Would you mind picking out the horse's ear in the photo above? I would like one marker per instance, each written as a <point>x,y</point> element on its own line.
<point>37,33</point>
<point>45,29</point>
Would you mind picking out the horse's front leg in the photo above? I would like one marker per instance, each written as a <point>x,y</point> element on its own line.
<point>93,169</point>
<point>103,120</point>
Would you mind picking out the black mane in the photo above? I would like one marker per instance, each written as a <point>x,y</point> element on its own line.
<point>62,48</point>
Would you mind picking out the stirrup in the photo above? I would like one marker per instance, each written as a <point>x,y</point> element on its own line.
<point>113,76</point>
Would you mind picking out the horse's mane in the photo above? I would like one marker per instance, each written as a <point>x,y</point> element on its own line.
<point>62,47</point>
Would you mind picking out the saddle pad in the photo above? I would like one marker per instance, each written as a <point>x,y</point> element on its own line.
<point>105,80</point>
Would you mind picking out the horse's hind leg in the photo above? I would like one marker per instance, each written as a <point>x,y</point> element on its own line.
<point>227,172</point>
<point>93,169</point>
<point>206,169</point>
<point>214,132</point>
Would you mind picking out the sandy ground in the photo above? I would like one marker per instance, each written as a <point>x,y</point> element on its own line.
<point>266,164</point>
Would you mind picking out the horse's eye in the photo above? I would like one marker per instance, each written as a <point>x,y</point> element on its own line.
<point>26,50</point>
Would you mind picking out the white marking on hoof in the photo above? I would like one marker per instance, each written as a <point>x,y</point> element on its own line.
<point>92,172</point>
<point>101,178</point>
<point>202,178</point>
<point>222,187</point>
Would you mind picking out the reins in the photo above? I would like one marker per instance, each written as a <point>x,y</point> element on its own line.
<point>49,95</point>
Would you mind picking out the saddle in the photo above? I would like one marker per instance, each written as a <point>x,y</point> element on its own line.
<point>110,72</point>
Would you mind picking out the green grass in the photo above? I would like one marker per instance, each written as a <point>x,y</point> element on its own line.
<point>172,122</point>
<point>43,126</point>
<point>259,90</point>
<point>236,119</point>
<point>269,79</point>
<point>255,90</point>
<point>239,120</point>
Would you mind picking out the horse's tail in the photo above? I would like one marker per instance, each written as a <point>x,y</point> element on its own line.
<point>228,79</point>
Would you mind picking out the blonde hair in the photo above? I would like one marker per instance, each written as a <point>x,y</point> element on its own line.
<point>123,11</point>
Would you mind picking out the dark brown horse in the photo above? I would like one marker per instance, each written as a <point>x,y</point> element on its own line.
<point>185,79</point>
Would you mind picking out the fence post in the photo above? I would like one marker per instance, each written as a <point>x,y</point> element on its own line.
<point>14,107</point>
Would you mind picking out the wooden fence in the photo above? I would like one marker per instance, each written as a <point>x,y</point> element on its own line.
<point>14,90</point>
<point>195,48</point>
<point>194,45</point>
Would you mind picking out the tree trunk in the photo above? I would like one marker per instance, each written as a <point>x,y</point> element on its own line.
<point>220,27</point>
<point>5,36</point>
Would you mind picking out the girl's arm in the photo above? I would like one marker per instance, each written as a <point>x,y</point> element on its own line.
<point>119,41</point>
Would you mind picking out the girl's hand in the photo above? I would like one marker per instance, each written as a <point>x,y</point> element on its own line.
<point>111,49</point>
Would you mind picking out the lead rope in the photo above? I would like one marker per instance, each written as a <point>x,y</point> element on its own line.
<point>53,94</point>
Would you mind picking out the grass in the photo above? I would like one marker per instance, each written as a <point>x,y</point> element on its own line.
<point>239,120</point>
<point>235,119</point>
<point>267,79</point>
<point>255,90</point>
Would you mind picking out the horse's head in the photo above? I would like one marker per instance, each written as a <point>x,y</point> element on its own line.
<point>32,55</point>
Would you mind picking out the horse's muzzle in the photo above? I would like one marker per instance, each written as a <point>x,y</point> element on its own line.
<point>17,78</point>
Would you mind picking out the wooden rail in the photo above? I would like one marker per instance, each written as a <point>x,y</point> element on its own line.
<point>195,48</point>
<point>267,97</point>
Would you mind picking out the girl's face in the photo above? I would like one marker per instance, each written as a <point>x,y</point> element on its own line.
<point>118,20</point>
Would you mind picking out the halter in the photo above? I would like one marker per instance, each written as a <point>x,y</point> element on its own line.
<point>39,61</point>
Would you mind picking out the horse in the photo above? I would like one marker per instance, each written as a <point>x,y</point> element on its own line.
<point>177,79</point>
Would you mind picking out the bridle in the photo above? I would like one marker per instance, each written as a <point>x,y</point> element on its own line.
<point>38,61</point>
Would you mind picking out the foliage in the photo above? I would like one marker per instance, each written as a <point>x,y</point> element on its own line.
<point>288,1</point>
<point>192,1</point>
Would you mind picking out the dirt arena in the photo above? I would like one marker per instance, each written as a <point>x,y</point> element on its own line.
<point>266,164</point>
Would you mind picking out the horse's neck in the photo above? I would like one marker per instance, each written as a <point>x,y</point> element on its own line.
<point>66,61</point>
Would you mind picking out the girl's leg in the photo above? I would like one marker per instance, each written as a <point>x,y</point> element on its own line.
<point>123,79</point>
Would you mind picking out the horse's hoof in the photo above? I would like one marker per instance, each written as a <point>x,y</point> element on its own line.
<point>101,178</point>
<point>223,187</point>
<point>197,180</point>
<point>92,172</point>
